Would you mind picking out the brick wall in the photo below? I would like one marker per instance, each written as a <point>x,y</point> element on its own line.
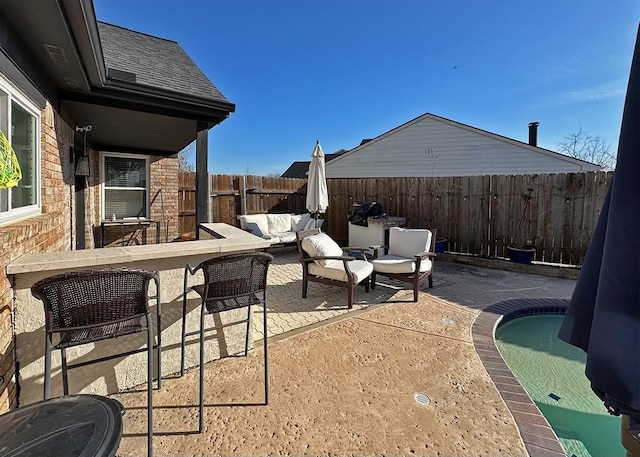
<point>164,181</point>
<point>48,232</point>
<point>52,230</point>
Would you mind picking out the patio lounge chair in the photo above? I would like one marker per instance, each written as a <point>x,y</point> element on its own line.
<point>323,261</point>
<point>410,257</point>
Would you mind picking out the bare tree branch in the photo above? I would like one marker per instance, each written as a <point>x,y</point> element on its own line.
<point>432,155</point>
<point>592,148</point>
<point>184,158</point>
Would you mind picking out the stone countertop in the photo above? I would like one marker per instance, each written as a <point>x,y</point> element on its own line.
<point>231,239</point>
<point>388,221</point>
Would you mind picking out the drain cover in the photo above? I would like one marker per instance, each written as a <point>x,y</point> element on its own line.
<point>422,399</point>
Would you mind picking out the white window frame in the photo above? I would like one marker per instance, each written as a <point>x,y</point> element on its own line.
<point>103,187</point>
<point>11,94</point>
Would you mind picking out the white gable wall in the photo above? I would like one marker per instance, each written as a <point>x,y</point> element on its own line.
<point>462,151</point>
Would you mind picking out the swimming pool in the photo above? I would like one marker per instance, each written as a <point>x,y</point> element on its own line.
<point>552,373</point>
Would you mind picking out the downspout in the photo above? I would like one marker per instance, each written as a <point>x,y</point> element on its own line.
<point>71,215</point>
<point>16,364</point>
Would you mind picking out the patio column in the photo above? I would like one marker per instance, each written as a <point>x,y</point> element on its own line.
<point>202,174</point>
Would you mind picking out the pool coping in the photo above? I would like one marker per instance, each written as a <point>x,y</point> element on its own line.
<point>539,438</point>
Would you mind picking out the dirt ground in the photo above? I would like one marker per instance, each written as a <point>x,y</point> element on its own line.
<point>346,389</point>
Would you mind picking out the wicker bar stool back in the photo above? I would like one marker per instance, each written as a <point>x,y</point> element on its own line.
<point>94,305</point>
<point>231,282</point>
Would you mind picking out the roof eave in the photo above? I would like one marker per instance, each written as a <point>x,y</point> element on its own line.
<point>212,113</point>
<point>112,86</point>
<point>83,23</point>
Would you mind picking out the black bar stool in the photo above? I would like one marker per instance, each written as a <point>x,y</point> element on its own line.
<point>94,305</point>
<point>231,282</point>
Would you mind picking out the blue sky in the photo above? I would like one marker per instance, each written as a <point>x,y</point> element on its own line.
<point>339,71</point>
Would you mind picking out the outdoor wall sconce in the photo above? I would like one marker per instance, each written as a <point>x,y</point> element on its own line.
<point>82,160</point>
<point>82,166</point>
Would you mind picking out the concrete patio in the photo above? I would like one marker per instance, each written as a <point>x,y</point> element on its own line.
<point>343,382</point>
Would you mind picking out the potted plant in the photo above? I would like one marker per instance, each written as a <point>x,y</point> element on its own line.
<point>441,244</point>
<point>525,251</point>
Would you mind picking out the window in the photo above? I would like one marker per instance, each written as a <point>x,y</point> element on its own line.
<point>125,191</point>
<point>20,121</point>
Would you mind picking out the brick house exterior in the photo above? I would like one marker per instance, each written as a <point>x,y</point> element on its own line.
<point>47,232</point>
<point>88,73</point>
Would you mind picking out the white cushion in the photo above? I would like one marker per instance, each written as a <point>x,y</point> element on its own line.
<point>285,237</point>
<point>321,245</point>
<point>272,239</point>
<point>408,242</point>
<point>259,219</point>
<point>279,223</point>
<point>394,264</point>
<point>361,268</point>
<point>299,221</point>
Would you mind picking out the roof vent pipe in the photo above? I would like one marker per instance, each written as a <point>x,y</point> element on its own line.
<point>533,133</point>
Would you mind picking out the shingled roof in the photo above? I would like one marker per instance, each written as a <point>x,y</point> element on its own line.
<point>300,169</point>
<point>155,62</point>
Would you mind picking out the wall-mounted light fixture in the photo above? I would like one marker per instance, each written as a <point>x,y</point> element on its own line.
<point>82,166</point>
<point>82,160</point>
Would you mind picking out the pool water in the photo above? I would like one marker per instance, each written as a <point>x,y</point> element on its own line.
<point>552,373</point>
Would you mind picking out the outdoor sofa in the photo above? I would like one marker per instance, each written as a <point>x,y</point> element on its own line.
<point>278,229</point>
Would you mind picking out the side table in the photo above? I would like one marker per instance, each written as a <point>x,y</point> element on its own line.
<point>71,426</point>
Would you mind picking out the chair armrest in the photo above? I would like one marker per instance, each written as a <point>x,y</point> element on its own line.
<point>191,269</point>
<point>345,263</point>
<point>188,270</point>
<point>376,250</point>
<point>426,254</point>
<point>349,248</point>
<point>313,259</point>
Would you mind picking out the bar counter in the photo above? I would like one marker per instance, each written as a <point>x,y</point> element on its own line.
<point>169,260</point>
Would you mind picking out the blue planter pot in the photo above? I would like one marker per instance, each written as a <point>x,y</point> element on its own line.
<point>521,255</point>
<point>441,244</point>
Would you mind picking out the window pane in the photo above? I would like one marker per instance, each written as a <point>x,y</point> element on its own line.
<point>125,203</point>
<point>23,140</point>
<point>4,200</point>
<point>125,172</point>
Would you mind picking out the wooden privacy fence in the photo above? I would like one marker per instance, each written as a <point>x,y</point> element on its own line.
<point>479,215</point>
<point>482,215</point>
<point>233,195</point>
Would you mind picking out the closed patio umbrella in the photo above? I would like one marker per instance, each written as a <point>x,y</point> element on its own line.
<point>603,317</point>
<point>317,196</point>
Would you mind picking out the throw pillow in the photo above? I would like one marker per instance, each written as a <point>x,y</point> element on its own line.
<point>321,245</point>
<point>299,222</point>
<point>254,228</point>
<point>259,219</point>
<point>311,223</point>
